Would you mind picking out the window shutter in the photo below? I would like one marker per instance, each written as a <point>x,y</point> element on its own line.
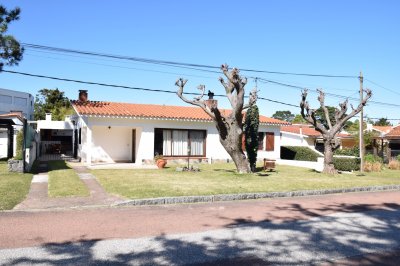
<point>270,141</point>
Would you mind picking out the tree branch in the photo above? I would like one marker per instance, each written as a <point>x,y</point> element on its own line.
<point>197,100</point>
<point>321,99</point>
<point>309,114</point>
<point>359,107</point>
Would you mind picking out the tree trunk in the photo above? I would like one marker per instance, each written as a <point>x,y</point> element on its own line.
<point>231,140</point>
<point>329,168</point>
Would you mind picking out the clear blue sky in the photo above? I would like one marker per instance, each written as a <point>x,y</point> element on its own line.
<point>318,37</point>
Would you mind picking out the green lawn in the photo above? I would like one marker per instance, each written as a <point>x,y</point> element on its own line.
<point>64,182</point>
<point>222,179</point>
<point>13,187</point>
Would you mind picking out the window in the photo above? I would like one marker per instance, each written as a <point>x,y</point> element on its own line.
<point>177,142</point>
<point>20,101</point>
<point>270,141</point>
<point>261,141</point>
<point>5,99</point>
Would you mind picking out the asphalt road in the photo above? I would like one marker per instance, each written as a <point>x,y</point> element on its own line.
<point>312,230</point>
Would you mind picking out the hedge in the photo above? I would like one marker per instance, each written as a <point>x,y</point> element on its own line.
<point>346,163</point>
<point>298,153</point>
<point>355,151</point>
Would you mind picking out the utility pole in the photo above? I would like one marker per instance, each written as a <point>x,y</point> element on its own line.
<point>361,132</point>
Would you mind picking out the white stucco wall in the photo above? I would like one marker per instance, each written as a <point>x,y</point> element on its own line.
<point>290,139</point>
<point>115,144</point>
<point>276,153</point>
<point>111,145</point>
<point>3,143</point>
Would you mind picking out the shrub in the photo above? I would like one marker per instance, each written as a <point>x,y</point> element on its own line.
<point>398,157</point>
<point>298,153</point>
<point>20,140</point>
<point>372,158</point>
<point>346,163</point>
<point>355,151</point>
<point>372,167</point>
<point>394,165</point>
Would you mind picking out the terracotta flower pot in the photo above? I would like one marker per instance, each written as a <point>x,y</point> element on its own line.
<point>161,163</point>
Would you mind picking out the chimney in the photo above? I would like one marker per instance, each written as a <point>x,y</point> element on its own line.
<point>211,103</point>
<point>48,116</point>
<point>83,95</point>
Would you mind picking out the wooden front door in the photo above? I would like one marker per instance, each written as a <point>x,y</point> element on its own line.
<point>133,145</point>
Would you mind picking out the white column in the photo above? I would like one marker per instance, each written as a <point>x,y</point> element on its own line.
<point>88,146</point>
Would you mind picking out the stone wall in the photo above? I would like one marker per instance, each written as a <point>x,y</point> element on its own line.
<point>15,166</point>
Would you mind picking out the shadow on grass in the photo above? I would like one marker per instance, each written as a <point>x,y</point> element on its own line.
<point>304,241</point>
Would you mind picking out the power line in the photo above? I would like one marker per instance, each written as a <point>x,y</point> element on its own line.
<point>328,93</point>
<point>125,67</point>
<point>376,84</point>
<point>157,90</point>
<point>173,63</point>
<point>127,87</point>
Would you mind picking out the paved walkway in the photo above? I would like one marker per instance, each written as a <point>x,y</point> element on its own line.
<point>289,231</point>
<point>38,194</point>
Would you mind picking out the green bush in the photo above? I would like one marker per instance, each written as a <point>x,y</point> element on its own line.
<point>346,164</point>
<point>398,157</point>
<point>298,153</point>
<point>372,158</point>
<point>20,140</point>
<point>355,151</point>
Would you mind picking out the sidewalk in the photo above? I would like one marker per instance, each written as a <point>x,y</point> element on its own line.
<point>38,194</point>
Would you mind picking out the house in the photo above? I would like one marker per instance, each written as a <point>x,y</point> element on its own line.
<point>305,135</point>
<point>126,132</point>
<point>10,125</point>
<point>12,101</point>
<point>390,139</point>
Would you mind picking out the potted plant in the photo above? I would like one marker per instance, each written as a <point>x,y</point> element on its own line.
<point>160,161</point>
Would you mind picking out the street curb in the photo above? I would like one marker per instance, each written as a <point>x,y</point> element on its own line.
<point>249,196</point>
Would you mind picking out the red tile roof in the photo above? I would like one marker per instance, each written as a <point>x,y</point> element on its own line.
<point>309,131</point>
<point>306,130</point>
<point>394,133</point>
<point>96,108</point>
<point>384,129</point>
<point>12,115</point>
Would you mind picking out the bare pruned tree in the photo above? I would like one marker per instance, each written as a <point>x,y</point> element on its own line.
<point>330,130</point>
<point>228,124</point>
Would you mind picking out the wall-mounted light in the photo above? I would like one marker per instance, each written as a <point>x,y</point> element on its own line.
<point>109,127</point>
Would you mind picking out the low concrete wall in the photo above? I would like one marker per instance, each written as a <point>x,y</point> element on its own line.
<point>30,156</point>
<point>317,166</point>
<point>15,166</point>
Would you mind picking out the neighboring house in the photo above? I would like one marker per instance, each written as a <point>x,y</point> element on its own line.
<point>16,101</point>
<point>10,125</point>
<point>392,140</point>
<point>306,135</point>
<point>56,137</point>
<point>126,132</point>
<point>299,135</point>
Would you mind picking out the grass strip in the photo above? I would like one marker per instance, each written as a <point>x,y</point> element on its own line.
<point>64,181</point>
<point>13,187</point>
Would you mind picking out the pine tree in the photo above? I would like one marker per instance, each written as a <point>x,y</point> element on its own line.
<point>251,124</point>
<point>10,49</point>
